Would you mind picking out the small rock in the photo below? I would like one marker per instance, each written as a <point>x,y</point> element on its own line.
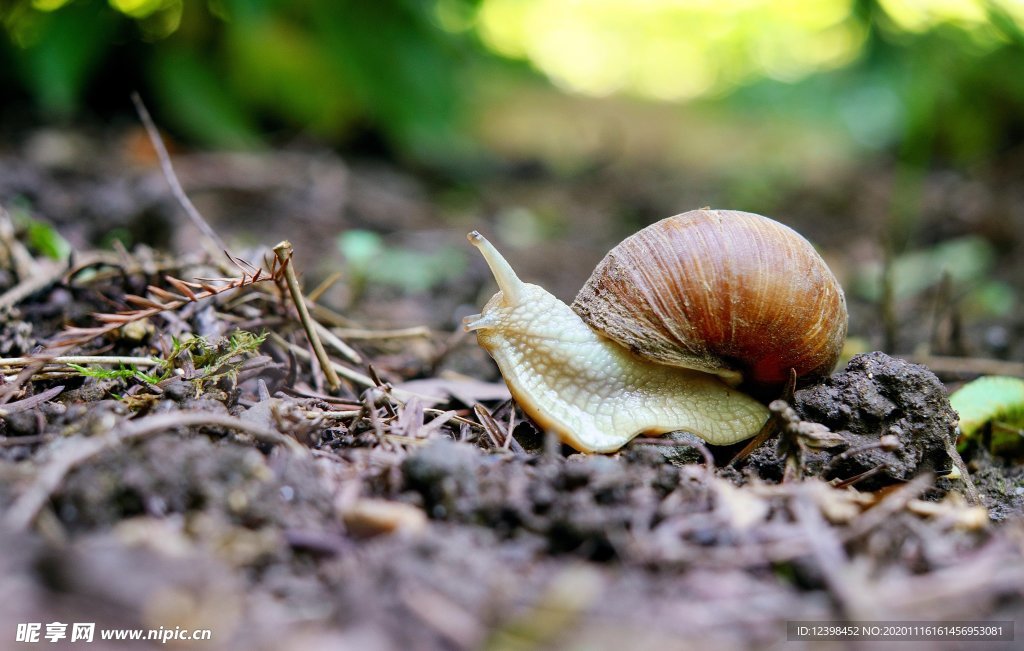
<point>371,517</point>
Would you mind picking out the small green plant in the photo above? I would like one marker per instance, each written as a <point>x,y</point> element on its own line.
<point>205,362</point>
<point>125,372</point>
<point>196,359</point>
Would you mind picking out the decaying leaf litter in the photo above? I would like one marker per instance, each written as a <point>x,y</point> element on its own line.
<point>190,467</point>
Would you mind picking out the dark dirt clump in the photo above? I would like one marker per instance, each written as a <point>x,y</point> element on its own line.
<point>877,396</point>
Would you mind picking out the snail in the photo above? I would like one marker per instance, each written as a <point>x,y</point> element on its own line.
<point>671,322</point>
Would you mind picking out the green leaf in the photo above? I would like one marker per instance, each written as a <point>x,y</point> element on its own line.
<point>991,399</point>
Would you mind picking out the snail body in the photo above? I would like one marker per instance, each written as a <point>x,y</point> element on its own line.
<point>609,368</point>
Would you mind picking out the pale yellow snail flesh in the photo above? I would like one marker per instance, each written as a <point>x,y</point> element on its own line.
<point>590,391</point>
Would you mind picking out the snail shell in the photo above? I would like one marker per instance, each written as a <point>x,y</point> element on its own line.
<point>723,291</point>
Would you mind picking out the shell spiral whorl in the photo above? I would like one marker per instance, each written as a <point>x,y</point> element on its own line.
<point>719,290</point>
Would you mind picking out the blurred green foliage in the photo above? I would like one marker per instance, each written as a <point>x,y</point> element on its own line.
<point>41,236</point>
<point>927,80</point>
<point>226,71</point>
<point>965,262</point>
<point>369,261</point>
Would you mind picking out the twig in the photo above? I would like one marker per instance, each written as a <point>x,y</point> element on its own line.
<point>326,284</point>
<point>198,221</point>
<point>491,428</point>
<point>329,317</point>
<point>335,342</point>
<point>80,360</point>
<point>454,419</point>
<point>770,427</point>
<point>856,479</point>
<point>11,387</point>
<point>768,430</point>
<point>283,251</point>
<point>190,292</point>
<point>509,440</point>
<point>28,286</point>
<point>384,387</point>
<point>25,440</point>
<point>25,509</point>
<point>30,402</point>
<point>367,334</point>
<point>343,371</point>
<point>887,442</point>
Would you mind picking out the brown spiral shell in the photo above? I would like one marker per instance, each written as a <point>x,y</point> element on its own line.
<point>720,290</point>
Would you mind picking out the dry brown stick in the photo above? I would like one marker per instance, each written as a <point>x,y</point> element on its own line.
<point>283,251</point>
<point>29,286</point>
<point>347,373</point>
<point>73,336</point>
<point>398,333</point>
<point>973,496</point>
<point>385,388</point>
<point>335,342</point>
<point>198,221</point>
<point>11,387</point>
<point>491,428</point>
<point>329,317</point>
<point>511,427</point>
<point>27,506</point>
<point>454,419</point>
<point>770,427</point>
<point>80,360</point>
<point>31,402</point>
<point>25,440</point>
<point>326,284</point>
<point>768,430</point>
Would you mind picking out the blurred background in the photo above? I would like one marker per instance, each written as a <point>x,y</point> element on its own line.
<point>375,134</point>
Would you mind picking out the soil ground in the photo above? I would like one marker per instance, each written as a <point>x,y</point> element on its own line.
<point>415,507</point>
